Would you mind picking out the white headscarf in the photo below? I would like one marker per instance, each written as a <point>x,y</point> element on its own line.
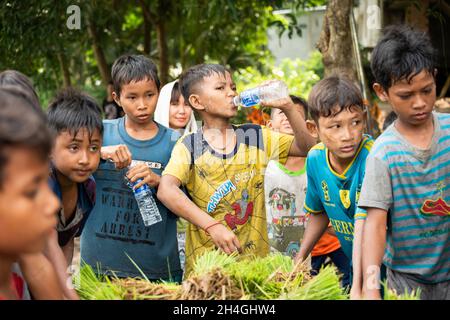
<point>162,109</point>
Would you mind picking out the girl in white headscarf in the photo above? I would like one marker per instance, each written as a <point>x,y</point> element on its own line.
<point>172,111</point>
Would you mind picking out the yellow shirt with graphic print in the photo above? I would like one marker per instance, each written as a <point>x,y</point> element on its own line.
<point>230,187</point>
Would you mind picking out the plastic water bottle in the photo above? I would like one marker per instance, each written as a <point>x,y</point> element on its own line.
<point>274,90</point>
<point>146,203</point>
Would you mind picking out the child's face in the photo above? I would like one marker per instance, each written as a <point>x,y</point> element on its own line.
<point>179,114</point>
<point>216,95</point>
<point>77,157</point>
<point>413,102</point>
<point>138,100</point>
<point>27,204</point>
<point>342,133</point>
<point>280,123</point>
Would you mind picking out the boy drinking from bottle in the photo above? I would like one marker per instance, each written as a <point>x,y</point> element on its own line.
<point>222,167</point>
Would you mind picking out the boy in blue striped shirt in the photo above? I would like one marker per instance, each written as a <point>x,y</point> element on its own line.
<point>406,189</point>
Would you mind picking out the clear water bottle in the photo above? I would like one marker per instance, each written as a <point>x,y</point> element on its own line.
<point>146,203</point>
<point>274,90</point>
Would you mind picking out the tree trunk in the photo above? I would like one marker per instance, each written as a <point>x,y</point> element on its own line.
<point>146,15</point>
<point>99,54</point>
<point>64,69</point>
<point>335,42</point>
<point>162,43</point>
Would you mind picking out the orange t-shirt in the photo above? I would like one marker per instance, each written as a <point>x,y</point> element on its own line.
<point>326,244</point>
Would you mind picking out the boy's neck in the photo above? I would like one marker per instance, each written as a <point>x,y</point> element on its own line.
<point>219,124</point>
<point>339,165</point>
<point>419,136</point>
<point>64,182</point>
<point>139,131</point>
<point>295,163</point>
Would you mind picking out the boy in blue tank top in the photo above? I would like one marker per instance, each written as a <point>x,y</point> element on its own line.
<point>138,149</point>
<point>335,169</point>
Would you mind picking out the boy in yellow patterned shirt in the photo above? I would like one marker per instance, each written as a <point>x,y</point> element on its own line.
<point>222,167</point>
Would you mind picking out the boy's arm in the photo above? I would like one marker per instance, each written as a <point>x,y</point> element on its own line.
<point>40,277</point>
<point>356,290</point>
<point>170,194</point>
<point>373,246</point>
<point>303,140</point>
<point>56,256</point>
<point>68,251</point>
<point>315,228</point>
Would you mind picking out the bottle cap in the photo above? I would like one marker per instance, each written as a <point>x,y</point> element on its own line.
<point>236,101</point>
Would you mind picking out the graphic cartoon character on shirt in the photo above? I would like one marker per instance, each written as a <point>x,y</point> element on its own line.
<point>282,206</point>
<point>438,207</point>
<point>243,209</point>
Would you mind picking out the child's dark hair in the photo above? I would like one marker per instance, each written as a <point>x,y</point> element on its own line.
<point>13,78</point>
<point>20,128</point>
<point>190,79</point>
<point>390,118</point>
<point>401,53</point>
<point>332,95</point>
<point>129,68</point>
<point>176,93</point>
<point>296,100</point>
<point>72,110</point>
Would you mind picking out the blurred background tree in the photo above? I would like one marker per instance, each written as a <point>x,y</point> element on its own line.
<point>176,34</point>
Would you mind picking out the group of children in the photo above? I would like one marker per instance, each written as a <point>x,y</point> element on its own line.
<point>310,182</point>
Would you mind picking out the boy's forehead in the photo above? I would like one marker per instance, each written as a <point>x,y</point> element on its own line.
<point>423,78</point>
<point>215,76</point>
<point>342,113</point>
<point>80,134</point>
<point>143,84</point>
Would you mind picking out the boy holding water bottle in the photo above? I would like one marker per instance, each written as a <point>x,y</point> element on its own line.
<point>117,238</point>
<point>222,167</point>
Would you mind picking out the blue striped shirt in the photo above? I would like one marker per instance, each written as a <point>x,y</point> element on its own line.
<point>413,185</point>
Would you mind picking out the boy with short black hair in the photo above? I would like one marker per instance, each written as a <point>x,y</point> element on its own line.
<point>115,239</point>
<point>75,120</point>
<point>222,167</point>
<point>406,190</point>
<point>335,169</point>
<point>27,205</point>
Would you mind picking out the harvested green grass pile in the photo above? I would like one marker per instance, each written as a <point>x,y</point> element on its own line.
<point>390,294</point>
<point>217,276</point>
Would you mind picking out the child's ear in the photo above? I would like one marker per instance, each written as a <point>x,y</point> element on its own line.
<point>269,124</point>
<point>195,102</point>
<point>381,93</point>
<point>312,128</point>
<point>116,98</point>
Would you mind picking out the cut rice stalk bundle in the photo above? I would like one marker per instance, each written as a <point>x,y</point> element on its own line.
<point>90,287</point>
<point>211,260</point>
<point>391,294</point>
<point>324,286</point>
<point>214,285</point>
<point>268,277</point>
<point>138,289</point>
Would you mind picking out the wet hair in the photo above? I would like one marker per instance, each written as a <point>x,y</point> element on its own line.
<point>176,93</point>
<point>133,68</point>
<point>400,54</point>
<point>13,78</point>
<point>390,118</point>
<point>20,128</point>
<point>332,95</point>
<point>72,110</point>
<point>296,100</point>
<point>192,77</point>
